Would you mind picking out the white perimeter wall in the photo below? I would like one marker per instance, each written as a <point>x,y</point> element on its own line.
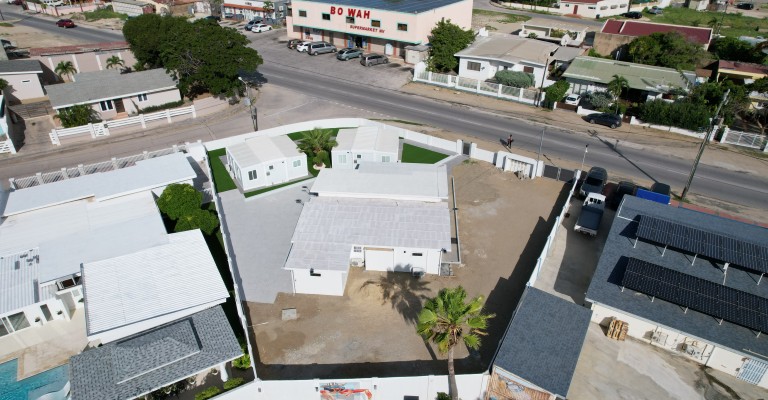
<point>329,283</point>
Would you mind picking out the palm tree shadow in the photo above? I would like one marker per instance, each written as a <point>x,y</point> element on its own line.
<point>403,292</point>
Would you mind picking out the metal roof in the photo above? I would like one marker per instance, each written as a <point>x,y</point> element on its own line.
<point>329,226</point>
<point>20,66</point>
<point>155,358</point>
<point>544,339</point>
<point>145,175</point>
<point>18,280</point>
<point>639,76</point>
<point>150,283</point>
<point>91,87</point>
<point>605,287</point>
<point>403,6</point>
<point>263,149</point>
<point>368,138</point>
<point>510,48</point>
<point>643,28</point>
<point>394,181</point>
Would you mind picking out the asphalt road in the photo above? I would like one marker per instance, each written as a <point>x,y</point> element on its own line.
<point>48,23</point>
<point>711,181</point>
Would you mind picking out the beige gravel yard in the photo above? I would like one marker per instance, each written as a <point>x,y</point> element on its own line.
<point>370,331</point>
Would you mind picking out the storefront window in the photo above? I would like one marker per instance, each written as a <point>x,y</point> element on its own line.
<point>302,13</point>
<point>350,20</point>
<point>326,16</point>
<point>402,27</point>
<point>376,23</point>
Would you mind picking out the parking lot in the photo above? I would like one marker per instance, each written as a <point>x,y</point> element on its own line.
<point>272,48</point>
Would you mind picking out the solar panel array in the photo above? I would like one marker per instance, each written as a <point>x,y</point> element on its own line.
<point>709,244</point>
<point>736,306</point>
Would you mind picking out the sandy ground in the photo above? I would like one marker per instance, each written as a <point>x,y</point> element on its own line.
<point>25,37</point>
<point>503,223</point>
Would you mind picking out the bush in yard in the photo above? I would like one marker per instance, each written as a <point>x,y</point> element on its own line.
<point>179,199</point>
<point>514,78</point>
<point>160,107</point>
<point>208,393</point>
<point>204,220</point>
<point>555,92</point>
<point>78,115</point>
<point>599,100</point>
<point>233,383</point>
<point>243,362</point>
<point>684,114</point>
<point>443,396</point>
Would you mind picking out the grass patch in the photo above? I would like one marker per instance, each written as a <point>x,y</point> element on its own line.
<point>221,179</point>
<point>299,135</point>
<point>420,155</point>
<point>733,24</point>
<point>267,189</point>
<point>6,24</point>
<point>508,18</point>
<point>104,13</point>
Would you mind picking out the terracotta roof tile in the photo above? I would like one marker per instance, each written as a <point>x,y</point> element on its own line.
<point>638,28</point>
<point>742,67</point>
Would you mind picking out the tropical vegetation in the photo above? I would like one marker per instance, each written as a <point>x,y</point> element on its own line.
<point>669,49</point>
<point>65,68</point>
<point>447,39</point>
<point>115,62</point>
<point>317,145</point>
<point>78,115</point>
<point>516,79</point>
<point>615,87</point>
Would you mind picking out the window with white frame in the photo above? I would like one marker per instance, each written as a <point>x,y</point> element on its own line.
<point>106,105</point>
<point>402,27</point>
<point>473,66</point>
<point>296,163</point>
<point>385,158</point>
<point>252,175</point>
<point>342,158</point>
<point>142,97</point>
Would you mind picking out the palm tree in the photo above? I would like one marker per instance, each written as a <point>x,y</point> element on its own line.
<point>65,68</point>
<point>713,22</point>
<point>447,320</point>
<point>268,8</point>
<point>317,143</point>
<point>115,62</point>
<point>616,86</point>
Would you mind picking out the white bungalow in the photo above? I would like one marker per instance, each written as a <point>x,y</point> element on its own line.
<point>265,161</point>
<point>365,144</point>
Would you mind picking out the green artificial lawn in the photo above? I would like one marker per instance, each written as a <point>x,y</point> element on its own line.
<point>420,155</point>
<point>733,24</point>
<point>221,179</point>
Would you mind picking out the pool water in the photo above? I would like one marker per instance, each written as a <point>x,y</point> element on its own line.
<point>37,385</point>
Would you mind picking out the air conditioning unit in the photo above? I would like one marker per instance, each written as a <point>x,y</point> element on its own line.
<point>356,262</point>
<point>693,351</point>
<point>659,338</point>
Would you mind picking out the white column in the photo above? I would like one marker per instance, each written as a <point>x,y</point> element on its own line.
<point>223,372</point>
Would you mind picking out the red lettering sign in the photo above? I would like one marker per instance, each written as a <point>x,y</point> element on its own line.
<point>351,12</point>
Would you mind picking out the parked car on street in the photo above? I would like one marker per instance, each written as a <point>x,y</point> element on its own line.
<point>633,14</point>
<point>373,59</point>
<point>258,28</point>
<point>655,10</point>
<point>745,6</point>
<point>316,48</point>
<point>253,22</point>
<point>624,188</point>
<point>303,46</point>
<point>594,182</point>
<point>65,23</point>
<point>611,120</point>
<point>573,99</point>
<point>292,43</point>
<point>347,53</point>
<point>214,18</point>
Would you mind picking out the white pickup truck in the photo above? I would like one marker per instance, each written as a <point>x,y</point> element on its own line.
<point>591,214</point>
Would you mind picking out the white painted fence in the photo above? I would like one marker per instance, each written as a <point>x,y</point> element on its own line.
<point>475,86</point>
<point>679,131</point>
<point>551,238</point>
<point>744,139</point>
<point>102,128</point>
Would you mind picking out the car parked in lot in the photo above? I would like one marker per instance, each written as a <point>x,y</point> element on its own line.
<point>745,6</point>
<point>252,22</point>
<point>633,14</point>
<point>214,18</point>
<point>594,182</point>
<point>316,48</point>
<point>303,46</point>
<point>655,10</point>
<point>258,28</point>
<point>373,59</point>
<point>65,23</point>
<point>624,188</point>
<point>573,99</point>
<point>611,120</point>
<point>349,52</point>
<point>292,43</point>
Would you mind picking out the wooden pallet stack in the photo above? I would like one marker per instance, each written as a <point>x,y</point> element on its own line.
<point>618,329</point>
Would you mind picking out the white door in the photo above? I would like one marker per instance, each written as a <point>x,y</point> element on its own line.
<point>378,259</point>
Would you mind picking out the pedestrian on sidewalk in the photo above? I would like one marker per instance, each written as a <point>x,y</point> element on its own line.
<point>509,141</point>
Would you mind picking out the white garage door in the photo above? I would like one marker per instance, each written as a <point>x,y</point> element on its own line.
<point>379,259</point>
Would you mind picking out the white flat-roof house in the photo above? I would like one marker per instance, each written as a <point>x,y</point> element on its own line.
<point>397,220</point>
<point>265,161</point>
<point>365,144</point>
<point>47,232</point>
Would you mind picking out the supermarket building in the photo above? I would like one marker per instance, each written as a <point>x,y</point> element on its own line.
<point>379,26</point>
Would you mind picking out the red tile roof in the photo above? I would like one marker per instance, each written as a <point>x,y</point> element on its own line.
<point>743,67</point>
<point>81,48</point>
<point>639,28</point>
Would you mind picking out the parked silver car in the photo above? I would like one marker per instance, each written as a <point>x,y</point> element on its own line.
<point>373,59</point>
<point>347,53</point>
<point>316,48</point>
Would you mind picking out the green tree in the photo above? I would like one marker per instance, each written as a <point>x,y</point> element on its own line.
<point>317,144</point>
<point>616,87</point>
<point>669,49</point>
<point>733,49</point>
<point>759,86</point>
<point>517,79</point>
<point>201,219</point>
<point>555,92</point>
<point>448,320</point>
<point>115,62</point>
<point>65,68</point>
<point>148,33</point>
<point>600,100</point>
<point>269,8</point>
<point>179,199</point>
<point>78,115</point>
<point>447,39</point>
<point>3,84</point>
<point>713,23</point>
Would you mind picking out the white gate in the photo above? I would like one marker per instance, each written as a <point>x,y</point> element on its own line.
<point>752,371</point>
<point>752,140</point>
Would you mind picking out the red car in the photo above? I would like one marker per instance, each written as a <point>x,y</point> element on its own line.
<point>65,23</point>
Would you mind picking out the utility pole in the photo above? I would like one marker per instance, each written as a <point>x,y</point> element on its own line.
<point>586,148</point>
<point>704,141</point>
<point>250,102</point>
<point>541,143</point>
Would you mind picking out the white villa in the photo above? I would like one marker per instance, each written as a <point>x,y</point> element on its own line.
<point>265,161</point>
<point>365,144</point>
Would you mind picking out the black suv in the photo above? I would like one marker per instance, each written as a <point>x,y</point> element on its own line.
<point>745,6</point>
<point>611,120</point>
<point>595,181</point>
<point>633,14</point>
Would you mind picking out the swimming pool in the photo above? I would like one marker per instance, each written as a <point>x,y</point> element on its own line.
<point>36,385</point>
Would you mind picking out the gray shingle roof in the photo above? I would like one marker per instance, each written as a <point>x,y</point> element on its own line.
<point>605,286</point>
<point>155,358</point>
<point>404,6</point>
<point>544,340</point>
<point>90,87</point>
<point>16,66</point>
